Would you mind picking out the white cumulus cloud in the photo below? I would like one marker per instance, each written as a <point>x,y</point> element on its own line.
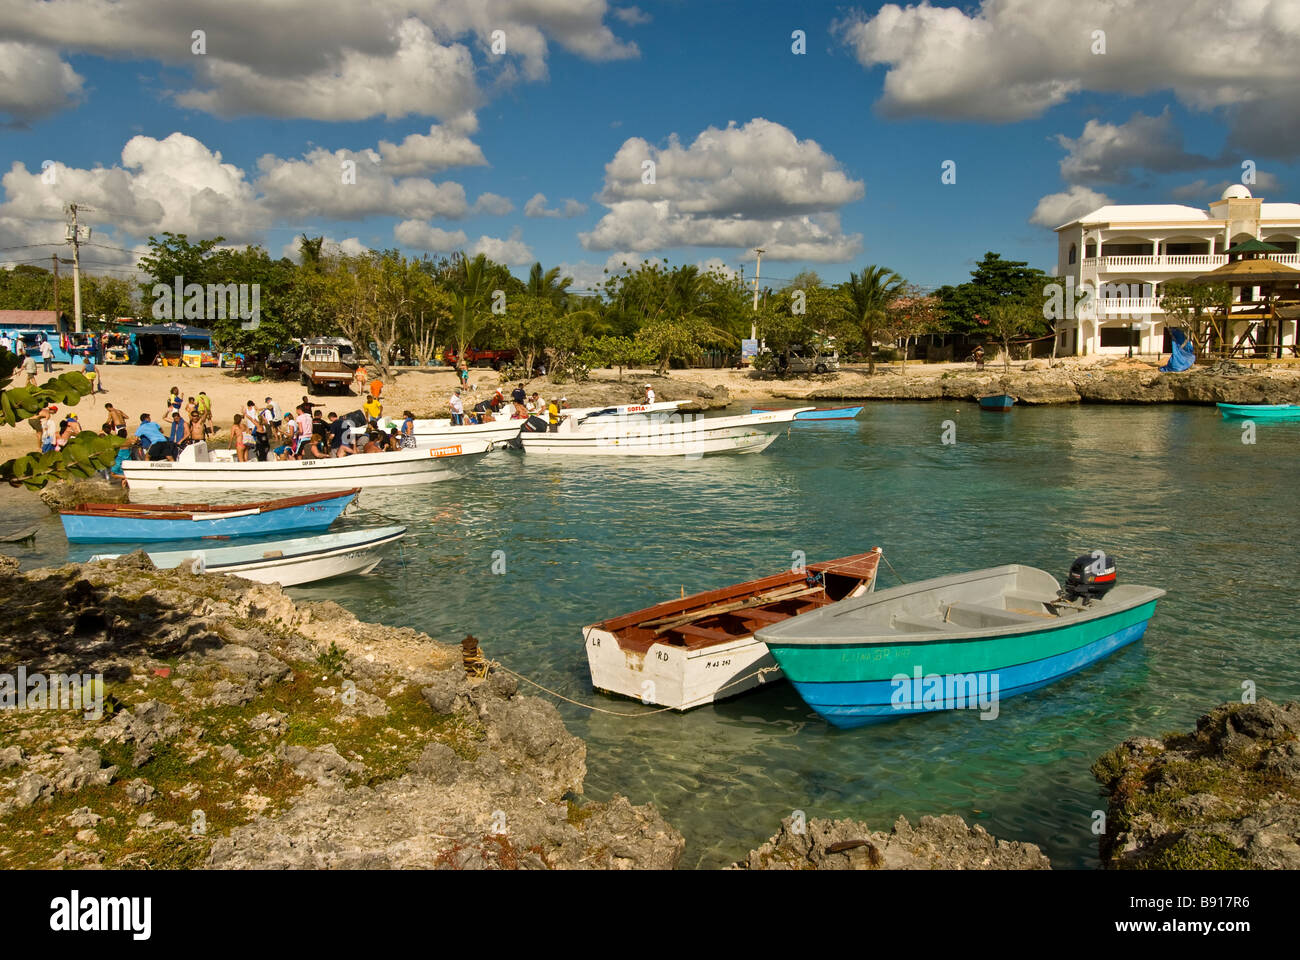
<point>536,207</point>
<point>1058,208</point>
<point>741,186</point>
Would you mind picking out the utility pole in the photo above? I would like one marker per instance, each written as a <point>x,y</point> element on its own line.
<point>75,237</point>
<point>55,258</point>
<point>758,270</point>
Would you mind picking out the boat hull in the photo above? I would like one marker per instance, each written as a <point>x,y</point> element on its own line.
<point>403,468</point>
<point>1259,411</point>
<point>677,677</point>
<point>823,413</point>
<point>434,433</point>
<point>853,685</point>
<point>302,560</point>
<point>999,403</point>
<point>86,528</point>
<point>638,437</point>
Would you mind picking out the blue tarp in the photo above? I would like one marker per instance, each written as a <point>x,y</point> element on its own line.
<point>1183,354</point>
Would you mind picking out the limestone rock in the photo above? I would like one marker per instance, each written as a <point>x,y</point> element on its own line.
<point>1226,796</point>
<point>935,843</point>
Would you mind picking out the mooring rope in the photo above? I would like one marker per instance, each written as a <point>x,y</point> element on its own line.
<point>891,568</point>
<point>616,713</point>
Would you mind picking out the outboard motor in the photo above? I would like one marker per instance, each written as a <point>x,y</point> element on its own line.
<point>1091,578</point>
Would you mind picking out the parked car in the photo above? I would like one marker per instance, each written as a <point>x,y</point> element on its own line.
<point>806,360</point>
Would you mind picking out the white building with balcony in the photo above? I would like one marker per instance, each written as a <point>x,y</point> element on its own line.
<point>1124,254</point>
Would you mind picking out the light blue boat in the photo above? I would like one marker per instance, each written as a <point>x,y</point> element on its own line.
<point>1259,411</point>
<point>286,562</point>
<point>150,523</point>
<point>998,402</point>
<point>966,641</point>
<point>821,413</point>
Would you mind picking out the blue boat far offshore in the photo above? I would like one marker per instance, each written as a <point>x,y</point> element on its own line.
<point>150,523</point>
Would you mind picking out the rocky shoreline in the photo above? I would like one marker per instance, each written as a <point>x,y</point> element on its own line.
<point>1065,384</point>
<point>1223,797</point>
<point>241,730</point>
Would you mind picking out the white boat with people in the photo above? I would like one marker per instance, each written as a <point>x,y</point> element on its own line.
<point>197,467</point>
<point>661,437</point>
<point>286,562</point>
<point>436,432</point>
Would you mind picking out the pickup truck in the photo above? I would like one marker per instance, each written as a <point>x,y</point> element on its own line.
<point>479,358</point>
<point>327,362</point>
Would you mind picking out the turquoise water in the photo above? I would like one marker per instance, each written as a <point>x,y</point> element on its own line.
<point>1171,492</point>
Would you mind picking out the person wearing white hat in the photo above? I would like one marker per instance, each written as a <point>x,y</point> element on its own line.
<point>457,409</point>
<point>649,394</point>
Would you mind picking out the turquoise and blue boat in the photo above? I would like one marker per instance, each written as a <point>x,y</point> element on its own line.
<point>1259,411</point>
<point>965,641</point>
<point>150,523</point>
<point>998,402</point>
<point>821,413</point>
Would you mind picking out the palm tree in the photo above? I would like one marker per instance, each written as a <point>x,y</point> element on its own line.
<point>549,285</point>
<point>469,284</point>
<point>869,295</point>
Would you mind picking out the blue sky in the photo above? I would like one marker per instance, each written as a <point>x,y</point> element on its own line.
<point>834,161</point>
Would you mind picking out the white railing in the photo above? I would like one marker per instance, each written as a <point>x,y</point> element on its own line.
<point>1194,261</point>
<point>1292,259</point>
<point>1128,305</point>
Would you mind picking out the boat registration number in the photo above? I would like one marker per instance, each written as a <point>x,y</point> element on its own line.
<point>445,451</point>
<point>717,663</point>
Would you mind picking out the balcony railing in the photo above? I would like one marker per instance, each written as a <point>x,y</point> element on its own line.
<point>1129,306</point>
<point>1195,261</point>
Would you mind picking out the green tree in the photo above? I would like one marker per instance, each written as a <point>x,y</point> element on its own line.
<point>1009,319</point>
<point>1197,308</point>
<point>868,295</point>
<point>84,455</point>
<point>549,285</point>
<point>912,315</point>
<point>617,352</point>
<point>993,280</point>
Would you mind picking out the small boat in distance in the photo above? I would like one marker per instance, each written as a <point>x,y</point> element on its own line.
<point>1259,411</point>
<point>998,402</point>
<point>820,413</point>
<point>286,562</point>
<point>147,523</point>
<point>965,641</point>
<point>701,648</point>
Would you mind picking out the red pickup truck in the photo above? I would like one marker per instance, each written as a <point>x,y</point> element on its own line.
<point>478,358</point>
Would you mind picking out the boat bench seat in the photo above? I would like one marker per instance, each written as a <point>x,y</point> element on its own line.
<point>908,625</point>
<point>765,615</point>
<point>701,634</point>
<point>978,616</point>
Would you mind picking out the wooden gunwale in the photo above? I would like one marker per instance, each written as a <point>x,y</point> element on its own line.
<point>735,612</point>
<point>151,511</point>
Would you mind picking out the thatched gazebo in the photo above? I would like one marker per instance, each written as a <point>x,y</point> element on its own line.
<point>1249,266</point>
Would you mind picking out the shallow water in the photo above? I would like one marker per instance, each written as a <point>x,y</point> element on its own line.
<point>1171,492</point>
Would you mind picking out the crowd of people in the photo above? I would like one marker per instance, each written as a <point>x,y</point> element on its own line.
<point>258,433</point>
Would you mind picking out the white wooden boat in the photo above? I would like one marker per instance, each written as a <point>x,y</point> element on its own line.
<point>623,410</point>
<point>286,562</point>
<point>438,432</point>
<point>199,468</point>
<point>700,649</point>
<point>653,437</point>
